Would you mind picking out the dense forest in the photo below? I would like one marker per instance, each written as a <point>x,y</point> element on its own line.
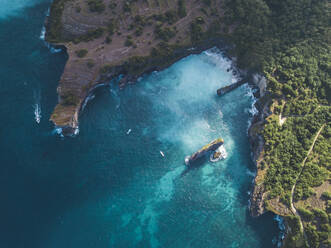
<point>289,42</point>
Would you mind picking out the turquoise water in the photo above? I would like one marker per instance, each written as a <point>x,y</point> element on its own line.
<point>111,187</point>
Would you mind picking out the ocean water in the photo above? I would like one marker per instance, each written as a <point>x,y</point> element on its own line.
<point>110,186</point>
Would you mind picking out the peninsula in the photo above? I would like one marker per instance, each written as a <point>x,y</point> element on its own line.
<point>282,46</point>
<point>108,38</point>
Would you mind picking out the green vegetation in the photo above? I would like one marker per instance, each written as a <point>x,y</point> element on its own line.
<point>129,41</point>
<point>96,6</point>
<point>90,63</point>
<point>326,195</point>
<point>90,35</point>
<point>69,98</point>
<point>127,6</point>
<point>54,23</point>
<point>181,8</point>
<point>289,42</point>
<point>165,33</point>
<point>81,53</point>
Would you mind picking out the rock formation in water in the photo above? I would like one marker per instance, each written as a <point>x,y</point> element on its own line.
<point>212,146</point>
<point>226,89</point>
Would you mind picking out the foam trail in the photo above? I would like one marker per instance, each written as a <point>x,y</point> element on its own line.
<point>42,33</point>
<point>36,106</point>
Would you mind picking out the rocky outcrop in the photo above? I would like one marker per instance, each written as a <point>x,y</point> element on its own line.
<point>257,204</point>
<point>226,89</point>
<point>212,146</point>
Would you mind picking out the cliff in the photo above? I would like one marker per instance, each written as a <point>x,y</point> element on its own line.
<point>108,38</point>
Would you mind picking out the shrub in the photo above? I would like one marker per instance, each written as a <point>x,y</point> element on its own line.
<point>90,63</point>
<point>90,35</point>
<point>81,53</point>
<point>96,6</point>
<point>164,33</point>
<point>321,215</point>
<point>139,20</point>
<point>104,69</point>
<point>306,214</point>
<point>170,16</point>
<point>326,195</point>
<point>112,5</point>
<point>196,32</point>
<point>200,20</point>
<point>181,8</point>
<point>111,27</point>
<point>69,99</point>
<point>78,9</point>
<point>108,40</point>
<point>127,7</point>
<point>139,31</point>
<point>128,42</point>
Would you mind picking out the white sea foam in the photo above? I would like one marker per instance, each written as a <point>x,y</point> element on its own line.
<point>252,110</point>
<point>42,33</point>
<point>37,112</point>
<point>36,105</point>
<point>87,99</point>
<point>58,131</point>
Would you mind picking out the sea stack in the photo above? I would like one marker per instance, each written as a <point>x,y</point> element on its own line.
<point>212,146</point>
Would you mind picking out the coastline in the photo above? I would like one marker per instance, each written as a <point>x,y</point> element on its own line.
<point>122,74</point>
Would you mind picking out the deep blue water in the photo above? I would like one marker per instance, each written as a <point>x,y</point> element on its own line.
<point>107,188</point>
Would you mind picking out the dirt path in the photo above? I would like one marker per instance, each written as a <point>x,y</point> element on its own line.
<point>293,209</point>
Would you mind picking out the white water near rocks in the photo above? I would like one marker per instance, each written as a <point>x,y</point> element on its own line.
<point>37,106</point>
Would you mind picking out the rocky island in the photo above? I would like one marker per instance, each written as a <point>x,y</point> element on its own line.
<point>286,42</point>
<point>211,147</point>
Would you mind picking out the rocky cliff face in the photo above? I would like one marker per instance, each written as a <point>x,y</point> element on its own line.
<point>257,206</point>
